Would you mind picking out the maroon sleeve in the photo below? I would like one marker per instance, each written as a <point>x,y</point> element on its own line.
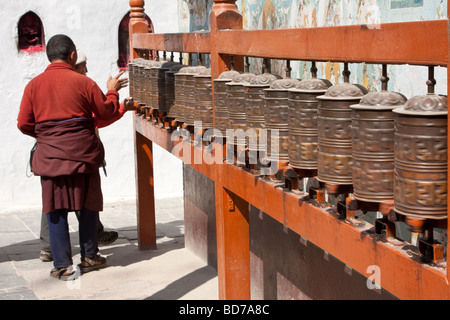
<point>104,107</point>
<point>105,123</point>
<point>26,119</point>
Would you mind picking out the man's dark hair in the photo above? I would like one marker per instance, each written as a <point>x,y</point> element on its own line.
<point>59,47</point>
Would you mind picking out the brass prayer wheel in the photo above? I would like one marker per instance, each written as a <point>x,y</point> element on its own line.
<point>157,92</point>
<point>237,119</point>
<point>303,131</point>
<point>276,116</point>
<point>254,109</point>
<point>334,121</point>
<point>132,71</point>
<point>373,145</point>
<point>189,94</point>
<point>203,95</point>
<point>220,101</point>
<point>420,183</point>
<point>144,81</point>
<point>137,74</point>
<point>179,95</point>
<point>151,82</point>
<point>169,86</point>
<point>184,93</point>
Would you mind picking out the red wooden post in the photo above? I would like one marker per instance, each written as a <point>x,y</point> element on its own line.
<point>145,195</point>
<point>224,15</point>
<point>233,248</point>
<point>138,23</point>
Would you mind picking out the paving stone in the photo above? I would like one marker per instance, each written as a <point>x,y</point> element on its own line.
<point>25,294</point>
<point>132,273</point>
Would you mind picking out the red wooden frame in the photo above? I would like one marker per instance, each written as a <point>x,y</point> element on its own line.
<point>418,43</point>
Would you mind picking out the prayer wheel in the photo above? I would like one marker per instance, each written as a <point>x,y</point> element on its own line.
<point>220,101</point>
<point>334,121</point>
<point>254,109</point>
<point>179,94</point>
<point>237,118</point>
<point>203,96</point>
<point>169,86</point>
<point>184,91</point>
<point>186,113</point>
<point>303,131</point>
<point>373,144</point>
<point>157,93</point>
<point>147,81</point>
<point>420,182</point>
<point>132,71</point>
<point>276,116</point>
<point>138,78</point>
<point>144,84</point>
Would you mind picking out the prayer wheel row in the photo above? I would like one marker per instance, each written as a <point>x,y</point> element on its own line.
<point>385,146</point>
<point>152,83</point>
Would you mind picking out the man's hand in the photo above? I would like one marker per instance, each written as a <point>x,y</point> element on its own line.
<point>128,103</point>
<point>114,83</point>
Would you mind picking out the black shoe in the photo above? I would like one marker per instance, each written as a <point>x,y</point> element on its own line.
<point>46,256</point>
<point>91,264</point>
<point>107,237</point>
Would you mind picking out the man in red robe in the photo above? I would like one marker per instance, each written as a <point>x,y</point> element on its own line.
<point>104,237</point>
<point>57,109</point>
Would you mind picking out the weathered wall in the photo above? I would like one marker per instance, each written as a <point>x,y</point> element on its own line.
<point>93,25</point>
<point>285,266</point>
<point>200,215</point>
<point>280,14</point>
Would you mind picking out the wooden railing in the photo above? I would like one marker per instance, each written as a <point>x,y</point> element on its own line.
<point>417,43</point>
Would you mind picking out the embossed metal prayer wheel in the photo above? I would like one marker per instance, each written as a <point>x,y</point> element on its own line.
<point>237,118</point>
<point>179,94</point>
<point>373,144</point>
<point>148,83</point>
<point>169,86</point>
<point>420,185</point>
<point>303,131</point>
<point>184,92</point>
<point>157,93</point>
<point>203,98</point>
<point>187,112</point>
<point>334,121</point>
<point>277,118</point>
<point>221,102</point>
<point>132,71</point>
<point>138,80</point>
<point>254,109</point>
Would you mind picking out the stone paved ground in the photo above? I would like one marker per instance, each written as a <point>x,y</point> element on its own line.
<point>168,272</point>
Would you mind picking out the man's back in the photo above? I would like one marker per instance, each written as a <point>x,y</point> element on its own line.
<point>60,93</point>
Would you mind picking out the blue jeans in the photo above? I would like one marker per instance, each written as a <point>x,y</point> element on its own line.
<point>60,239</point>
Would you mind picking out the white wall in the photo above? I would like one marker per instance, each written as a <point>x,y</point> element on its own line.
<point>93,25</point>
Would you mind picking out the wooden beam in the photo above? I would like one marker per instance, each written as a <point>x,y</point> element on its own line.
<point>195,42</point>
<point>420,43</point>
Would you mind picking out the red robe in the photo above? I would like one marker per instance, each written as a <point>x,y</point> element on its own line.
<point>59,93</point>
